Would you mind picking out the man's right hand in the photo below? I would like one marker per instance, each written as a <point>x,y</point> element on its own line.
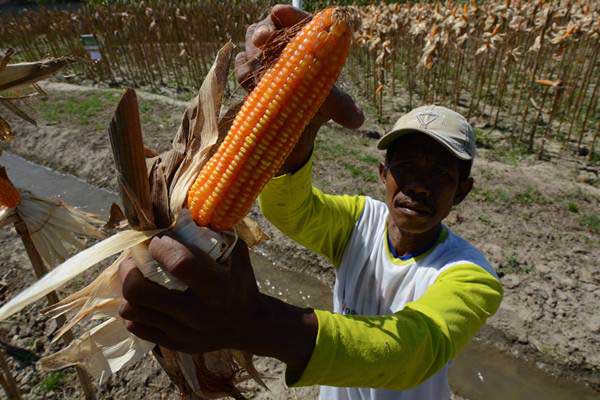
<point>339,106</point>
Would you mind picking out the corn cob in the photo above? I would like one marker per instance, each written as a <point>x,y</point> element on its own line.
<point>9,195</point>
<point>272,120</point>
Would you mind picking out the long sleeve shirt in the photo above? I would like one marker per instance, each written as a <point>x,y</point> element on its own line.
<point>397,321</point>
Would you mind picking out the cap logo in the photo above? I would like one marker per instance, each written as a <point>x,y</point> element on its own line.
<point>427,117</point>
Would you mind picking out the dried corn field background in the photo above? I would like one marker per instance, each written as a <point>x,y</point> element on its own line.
<point>525,73</point>
<point>527,68</point>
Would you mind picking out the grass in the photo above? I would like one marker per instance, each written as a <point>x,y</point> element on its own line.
<point>361,172</point>
<point>484,219</point>
<point>496,196</point>
<point>512,265</point>
<point>591,222</point>
<point>80,109</point>
<point>53,381</point>
<point>530,196</point>
<point>572,207</point>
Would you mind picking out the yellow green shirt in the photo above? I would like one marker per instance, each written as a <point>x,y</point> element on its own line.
<point>396,322</point>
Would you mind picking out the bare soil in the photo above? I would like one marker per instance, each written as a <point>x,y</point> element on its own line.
<point>536,221</point>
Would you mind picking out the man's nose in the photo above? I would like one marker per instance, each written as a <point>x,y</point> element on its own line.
<point>417,186</point>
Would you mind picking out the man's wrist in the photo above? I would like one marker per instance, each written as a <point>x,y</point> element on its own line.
<point>283,331</point>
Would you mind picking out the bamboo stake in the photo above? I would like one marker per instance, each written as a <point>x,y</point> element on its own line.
<point>536,66</point>
<point>7,381</point>
<point>581,95</point>
<point>590,108</point>
<point>591,155</point>
<point>40,270</point>
<point>558,92</point>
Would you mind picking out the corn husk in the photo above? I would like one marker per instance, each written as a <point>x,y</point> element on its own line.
<point>16,76</point>
<point>102,351</point>
<point>108,347</point>
<point>55,227</point>
<point>74,266</point>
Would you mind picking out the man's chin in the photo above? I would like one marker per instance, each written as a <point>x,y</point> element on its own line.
<point>415,223</point>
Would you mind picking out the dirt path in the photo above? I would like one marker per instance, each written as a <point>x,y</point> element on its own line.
<point>535,221</point>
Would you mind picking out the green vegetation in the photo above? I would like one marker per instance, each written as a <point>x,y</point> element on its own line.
<point>485,219</point>
<point>497,196</point>
<point>512,265</point>
<point>93,110</point>
<point>53,381</point>
<point>591,222</point>
<point>530,196</point>
<point>361,172</point>
<point>572,207</point>
<point>79,109</point>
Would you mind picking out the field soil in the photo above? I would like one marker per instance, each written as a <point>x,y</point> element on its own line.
<point>536,221</point>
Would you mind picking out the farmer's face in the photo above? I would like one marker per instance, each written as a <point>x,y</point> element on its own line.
<point>422,183</point>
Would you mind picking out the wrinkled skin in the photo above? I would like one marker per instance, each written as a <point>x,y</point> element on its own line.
<point>422,184</point>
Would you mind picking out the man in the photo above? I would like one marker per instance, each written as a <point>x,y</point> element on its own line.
<point>409,293</point>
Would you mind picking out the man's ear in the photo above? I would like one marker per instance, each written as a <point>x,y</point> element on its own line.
<point>382,173</point>
<point>464,187</point>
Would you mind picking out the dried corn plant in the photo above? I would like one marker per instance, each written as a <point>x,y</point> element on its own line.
<point>141,43</point>
<point>108,346</point>
<point>487,59</point>
<point>218,166</point>
<point>50,230</point>
<point>15,77</point>
<point>483,58</point>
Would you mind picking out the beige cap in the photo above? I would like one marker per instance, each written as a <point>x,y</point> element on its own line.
<point>444,125</point>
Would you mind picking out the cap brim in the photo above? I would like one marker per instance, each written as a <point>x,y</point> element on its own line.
<point>388,139</point>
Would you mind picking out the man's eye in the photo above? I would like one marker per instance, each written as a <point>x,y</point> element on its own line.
<point>443,171</point>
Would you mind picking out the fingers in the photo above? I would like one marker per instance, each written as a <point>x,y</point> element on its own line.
<point>189,336</point>
<point>192,266</point>
<point>341,107</point>
<point>285,16</point>
<point>258,36</point>
<point>151,318</point>
<point>140,291</point>
<point>149,333</point>
<point>240,261</point>
<point>262,33</point>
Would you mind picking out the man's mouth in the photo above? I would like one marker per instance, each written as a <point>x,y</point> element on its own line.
<point>413,208</point>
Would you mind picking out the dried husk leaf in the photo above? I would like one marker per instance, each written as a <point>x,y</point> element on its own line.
<point>54,227</point>
<point>22,74</point>
<point>205,128</point>
<point>102,351</point>
<point>102,298</point>
<point>74,266</point>
<point>6,215</point>
<point>250,232</point>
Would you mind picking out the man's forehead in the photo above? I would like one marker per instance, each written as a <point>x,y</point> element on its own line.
<point>417,146</point>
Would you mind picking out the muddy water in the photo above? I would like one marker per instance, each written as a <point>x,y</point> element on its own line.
<point>480,372</point>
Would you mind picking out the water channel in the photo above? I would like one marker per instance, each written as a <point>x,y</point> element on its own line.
<point>480,372</point>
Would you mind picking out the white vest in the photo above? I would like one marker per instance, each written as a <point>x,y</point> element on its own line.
<point>370,281</point>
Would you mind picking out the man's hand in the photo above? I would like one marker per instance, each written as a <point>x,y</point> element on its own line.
<point>264,36</point>
<point>208,315</point>
<point>222,307</point>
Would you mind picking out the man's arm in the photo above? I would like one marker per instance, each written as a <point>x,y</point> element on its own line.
<point>320,222</point>
<point>225,310</point>
<point>402,350</point>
